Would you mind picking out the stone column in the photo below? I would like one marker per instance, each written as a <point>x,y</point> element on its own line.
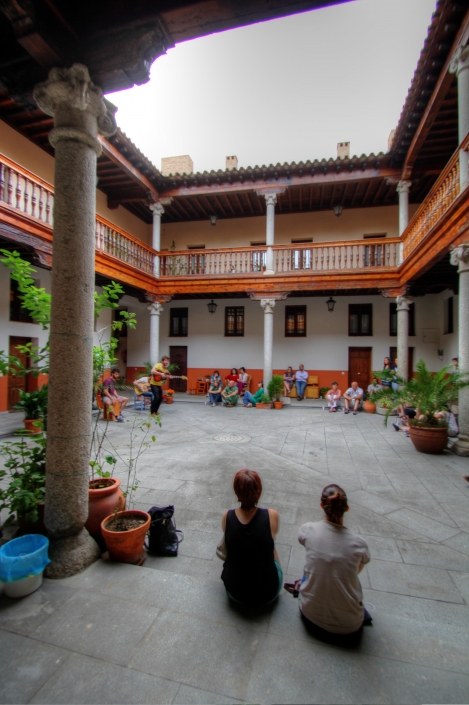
<point>403,306</point>
<point>79,113</point>
<point>270,201</point>
<point>155,309</point>
<point>402,189</point>
<point>460,258</point>
<point>268,306</point>
<point>157,210</point>
<point>460,66</point>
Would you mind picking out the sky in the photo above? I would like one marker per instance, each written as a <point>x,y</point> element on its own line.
<point>281,91</point>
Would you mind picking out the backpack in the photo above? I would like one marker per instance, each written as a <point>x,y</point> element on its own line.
<point>163,538</point>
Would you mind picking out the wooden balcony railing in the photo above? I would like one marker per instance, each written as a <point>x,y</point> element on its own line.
<point>26,192</point>
<point>441,197</point>
<point>318,257</point>
<point>116,242</point>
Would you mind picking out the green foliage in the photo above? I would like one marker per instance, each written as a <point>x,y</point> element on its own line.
<point>323,391</point>
<point>275,388</point>
<point>265,399</point>
<point>25,465</point>
<point>34,299</point>
<point>172,368</point>
<point>428,392</point>
<point>34,404</point>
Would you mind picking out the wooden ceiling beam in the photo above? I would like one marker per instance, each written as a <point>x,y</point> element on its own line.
<point>436,100</point>
<point>127,167</point>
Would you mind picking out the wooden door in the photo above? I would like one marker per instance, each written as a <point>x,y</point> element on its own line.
<point>359,367</point>
<point>410,360</point>
<point>178,355</point>
<point>17,383</point>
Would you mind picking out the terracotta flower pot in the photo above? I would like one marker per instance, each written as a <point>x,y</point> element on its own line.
<point>369,406</point>
<point>278,404</point>
<point>259,405</point>
<point>126,546</point>
<point>429,440</point>
<point>104,494</point>
<point>31,427</point>
<point>169,400</point>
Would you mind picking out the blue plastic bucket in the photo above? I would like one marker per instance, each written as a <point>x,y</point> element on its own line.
<point>23,557</point>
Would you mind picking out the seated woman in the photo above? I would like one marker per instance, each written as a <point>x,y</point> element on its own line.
<point>242,380</point>
<point>330,595</point>
<point>214,391</point>
<point>215,376</point>
<point>251,572</point>
<point>288,381</point>
<point>333,396</point>
<point>233,375</point>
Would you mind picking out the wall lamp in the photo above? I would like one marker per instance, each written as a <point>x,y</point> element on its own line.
<point>213,219</point>
<point>330,303</point>
<point>338,210</point>
<point>212,306</point>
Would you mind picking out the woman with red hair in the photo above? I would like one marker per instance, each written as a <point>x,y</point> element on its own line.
<point>251,572</point>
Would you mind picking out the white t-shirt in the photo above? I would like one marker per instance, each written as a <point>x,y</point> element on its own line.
<point>351,392</point>
<point>331,594</point>
<point>301,375</point>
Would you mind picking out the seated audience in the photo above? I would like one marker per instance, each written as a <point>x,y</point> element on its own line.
<point>333,396</point>
<point>252,399</point>
<point>230,394</point>
<point>301,379</point>
<point>288,381</point>
<point>353,396</point>
<point>251,572</point>
<point>233,375</point>
<point>330,595</point>
<point>215,376</point>
<point>111,397</point>
<point>375,386</point>
<point>242,382</point>
<point>214,391</point>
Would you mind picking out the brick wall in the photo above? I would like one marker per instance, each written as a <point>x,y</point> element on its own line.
<point>177,165</point>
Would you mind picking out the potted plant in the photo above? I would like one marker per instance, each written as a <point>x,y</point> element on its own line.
<point>264,403</point>
<point>104,495</point>
<point>275,389</point>
<point>34,405</point>
<point>431,395</point>
<point>369,406</point>
<point>169,396</point>
<point>323,391</point>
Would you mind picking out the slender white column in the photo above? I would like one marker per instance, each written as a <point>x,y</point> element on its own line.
<point>402,189</point>
<point>268,306</point>
<point>157,210</point>
<point>79,113</point>
<point>460,66</point>
<point>403,306</point>
<point>155,310</point>
<point>270,201</point>
<point>460,258</point>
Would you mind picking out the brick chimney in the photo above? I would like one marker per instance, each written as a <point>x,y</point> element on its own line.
<point>390,139</point>
<point>177,165</point>
<point>231,163</point>
<point>343,150</point>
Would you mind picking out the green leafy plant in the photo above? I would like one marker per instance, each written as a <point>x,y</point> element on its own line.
<point>265,399</point>
<point>275,388</point>
<point>25,466</point>
<point>428,392</point>
<point>323,391</point>
<point>34,404</point>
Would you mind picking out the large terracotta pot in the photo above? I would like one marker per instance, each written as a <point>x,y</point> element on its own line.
<point>259,405</point>
<point>369,406</point>
<point>126,546</point>
<point>429,440</point>
<point>102,502</point>
<point>33,426</point>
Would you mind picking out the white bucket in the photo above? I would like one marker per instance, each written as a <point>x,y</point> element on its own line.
<point>21,588</point>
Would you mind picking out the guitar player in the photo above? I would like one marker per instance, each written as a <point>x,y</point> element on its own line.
<point>159,375</point>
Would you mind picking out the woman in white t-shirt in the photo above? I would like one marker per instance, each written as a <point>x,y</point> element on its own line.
<point>330,595</point>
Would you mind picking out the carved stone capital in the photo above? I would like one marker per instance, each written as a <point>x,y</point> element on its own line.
<point>270,199</point>
<point>80,112</point>
<point>156,208</point>
<point>403,186</point>
<point>460,60</point>
<point>268,305</point>
<point>269,193</point>
<point>459,256</point>
<point>155,308</point>
<point>403,303</point>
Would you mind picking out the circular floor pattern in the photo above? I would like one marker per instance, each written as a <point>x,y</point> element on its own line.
<point>229,438</point>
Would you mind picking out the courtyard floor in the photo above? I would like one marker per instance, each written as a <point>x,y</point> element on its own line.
<point>166,633</point>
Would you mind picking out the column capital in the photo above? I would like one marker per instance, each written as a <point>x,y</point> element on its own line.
<point>71,98</point>
<point>155,308</point>
<point>460,60</point>
<point>403,302</point>
<point>156,208</point>
<point>271,295</point>
<point>459,256</point>
<point>403,186</point>
<point>268,305</point>
<point>270,199</point>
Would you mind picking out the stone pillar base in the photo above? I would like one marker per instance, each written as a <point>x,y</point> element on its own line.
<point>71,555</point>
<point>461,447</point>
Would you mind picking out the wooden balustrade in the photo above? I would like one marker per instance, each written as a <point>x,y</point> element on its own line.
<point>25,192</point>
<point>441,197</point>
<point>116,242</point>
<point>318,257</point>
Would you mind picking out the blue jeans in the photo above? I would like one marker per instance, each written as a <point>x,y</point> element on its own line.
<point>248,398</point>
<point>300,387</point>
<point>214,398</point>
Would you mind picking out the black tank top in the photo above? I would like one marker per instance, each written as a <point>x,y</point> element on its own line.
<point>249,572</point>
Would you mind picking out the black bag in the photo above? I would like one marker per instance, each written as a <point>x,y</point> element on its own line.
<point>163,535</point>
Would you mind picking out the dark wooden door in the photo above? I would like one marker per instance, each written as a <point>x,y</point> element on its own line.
<point>359,367</point>
<point>410,360</point>
<point>178,355</point>
<point>17,383</point>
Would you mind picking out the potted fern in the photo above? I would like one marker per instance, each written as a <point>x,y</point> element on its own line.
<point>431,394</point>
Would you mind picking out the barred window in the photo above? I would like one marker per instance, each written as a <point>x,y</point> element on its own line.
<point>295,321</point>
<point>178,322</point>
<point>234,321</point>
<point>360,319</point>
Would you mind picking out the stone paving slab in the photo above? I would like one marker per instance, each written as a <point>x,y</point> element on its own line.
<point>167,633</point>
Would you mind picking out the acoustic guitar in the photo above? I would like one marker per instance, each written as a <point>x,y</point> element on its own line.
<point>146,386</point>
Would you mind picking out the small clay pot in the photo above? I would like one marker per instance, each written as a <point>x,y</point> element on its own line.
<point>126,546</point>
<point>369,406</point>
<point>169,400</point>
<point>428,440</point>
<point>278,404</point>
<point>103,502</point>
<point>31,427</point>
